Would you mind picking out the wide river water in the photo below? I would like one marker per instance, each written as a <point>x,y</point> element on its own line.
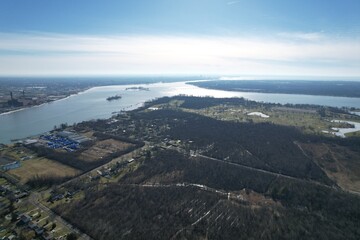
<point>92,104</point>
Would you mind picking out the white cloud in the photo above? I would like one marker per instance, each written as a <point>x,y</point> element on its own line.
<point>44,54</point>
<point>303,36</point>
<point>232,2</point>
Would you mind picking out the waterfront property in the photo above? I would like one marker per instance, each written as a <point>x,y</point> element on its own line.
<point>66,140</point>
<point>74,137</point>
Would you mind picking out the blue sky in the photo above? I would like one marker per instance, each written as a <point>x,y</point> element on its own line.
<point>226,37</point>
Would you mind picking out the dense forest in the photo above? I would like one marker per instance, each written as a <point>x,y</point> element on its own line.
<point>290,209</point>
<point>210,179</point>
<point>265,146</point>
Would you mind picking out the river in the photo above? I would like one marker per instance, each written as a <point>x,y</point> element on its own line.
<point>92,104</point>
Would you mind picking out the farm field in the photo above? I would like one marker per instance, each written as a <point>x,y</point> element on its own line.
<point>42,167</point>
<point>103,148</point>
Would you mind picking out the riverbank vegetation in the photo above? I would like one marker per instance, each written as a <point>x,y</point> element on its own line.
<point>323,88</point>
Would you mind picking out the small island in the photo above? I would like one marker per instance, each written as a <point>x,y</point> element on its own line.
<point>137,88</point>
<point>116,97</point>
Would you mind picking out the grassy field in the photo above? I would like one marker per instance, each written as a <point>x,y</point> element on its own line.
<point>104,148</point>
<point>340,164</point>
<point>42,167</point>
<point>353,134</point>
<point>16,153</point>
<point>308,121</point>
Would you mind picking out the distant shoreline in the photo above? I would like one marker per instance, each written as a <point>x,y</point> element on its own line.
<point>39,105</point>
<point>349,89</point>
<point>197,83</point>
<point>93,84</point>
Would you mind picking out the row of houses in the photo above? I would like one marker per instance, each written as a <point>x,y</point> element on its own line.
<point>25,219</point>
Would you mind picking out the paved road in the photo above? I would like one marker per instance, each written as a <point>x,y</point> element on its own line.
<point>128,155</point>
<point>34,199</point>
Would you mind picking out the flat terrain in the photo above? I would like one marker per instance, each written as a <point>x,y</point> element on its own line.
<point>307,118</point>
<point>172,196</point>
<point>42,167</point>
<point>203,168</point>
<point>103,148</point>
<point>340,163</point>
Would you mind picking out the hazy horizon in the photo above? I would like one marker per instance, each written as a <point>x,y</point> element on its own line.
<point>184,77</point>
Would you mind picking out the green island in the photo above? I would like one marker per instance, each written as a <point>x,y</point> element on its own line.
<point>188,168</point>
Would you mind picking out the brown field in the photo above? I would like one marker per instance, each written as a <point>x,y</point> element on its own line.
<point>42,167</point>
<point>104,148</point>
<point>340,164</point>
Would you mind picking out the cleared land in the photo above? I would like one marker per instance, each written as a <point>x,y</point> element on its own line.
<point>309,121</point>
<point>104,148</point>
<point>340,164</point>
<point>42,167</point>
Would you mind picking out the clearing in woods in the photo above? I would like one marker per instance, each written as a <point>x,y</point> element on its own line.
<point>42,167</point>
<point>104,148</point>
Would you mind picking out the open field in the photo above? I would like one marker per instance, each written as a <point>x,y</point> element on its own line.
<point>340,164</point>
<point>16,153</point>
<point>42,167</point>
<point>104,148</point>
<point>309,121</point>
<point>353,134</point>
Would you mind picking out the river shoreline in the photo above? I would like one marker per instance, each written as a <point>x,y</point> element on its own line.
<point>39,105</point>
<point>186,82</point>
<point>91,104</point>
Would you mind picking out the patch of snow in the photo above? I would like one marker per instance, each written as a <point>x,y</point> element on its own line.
<point>340,132</point>
<point>259,114</point>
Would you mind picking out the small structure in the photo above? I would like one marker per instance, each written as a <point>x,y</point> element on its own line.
<point>21,195</point>
<point>30,141</point>
<point>39,231</point>
<point>11,165</point>
<point>74,137</point>
<point>56,197</point>
<point>32,225</point>
<point>47,236</point>
<point>25,219</point>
